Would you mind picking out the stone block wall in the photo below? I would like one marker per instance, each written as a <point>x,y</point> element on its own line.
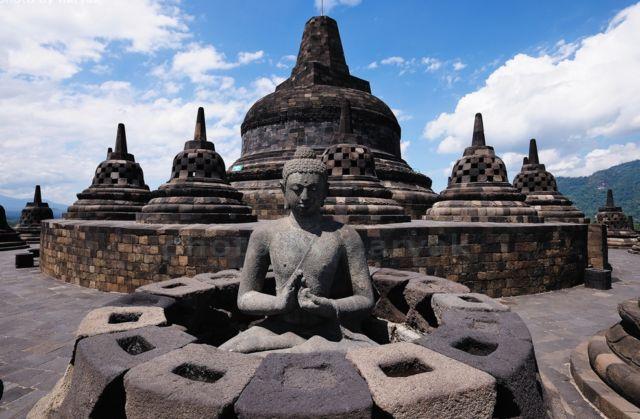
<point>498,259</point>
<point>597,249</point>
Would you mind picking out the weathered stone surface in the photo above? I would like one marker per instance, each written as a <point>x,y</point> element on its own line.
<point>629,312</point>
<point>495,259</point>
<point>541,191</point>
<point>100,363</point>
<point>510,360</point>
<point>113,319</point>
<point>504,323</point>
<point>202,307</point>
<point>24,260</point>
<point>49,406</point>
<point>306,109</point>
<point>597,278</point>
<point>479,189</point>
<point>143,299</point>
<point>320,385</point>
<point>410,381</point>
<point>613,370</point>
<point>192,382</point>
<point>117,191</point>
<point>391,304</point>
<point>31,216</point>
<point>594,389</point>
<point>620,232</point>
<point>198,190</point>
<point>442,303</point>
<point>9,239</point>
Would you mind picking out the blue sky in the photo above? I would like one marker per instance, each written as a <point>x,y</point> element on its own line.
<point>565,72</point>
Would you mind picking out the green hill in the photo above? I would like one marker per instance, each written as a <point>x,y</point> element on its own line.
<point>590,192</point>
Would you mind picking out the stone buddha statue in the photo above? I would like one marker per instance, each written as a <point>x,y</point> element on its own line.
<point>321,274</point>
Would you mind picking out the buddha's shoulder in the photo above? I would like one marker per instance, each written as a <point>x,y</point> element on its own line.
<point>344,231</point>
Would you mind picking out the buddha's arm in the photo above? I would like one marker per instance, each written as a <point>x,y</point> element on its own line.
<point>361,302</point>
<point>256,262</point>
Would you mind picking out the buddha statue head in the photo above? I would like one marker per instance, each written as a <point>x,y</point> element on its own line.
<point>304,183</point>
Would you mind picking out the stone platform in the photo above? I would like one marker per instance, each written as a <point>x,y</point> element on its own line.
<point>497,259</point>
<point>37,332</point>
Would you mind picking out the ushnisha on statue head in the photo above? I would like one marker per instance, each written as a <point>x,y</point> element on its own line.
<point>304,183</point>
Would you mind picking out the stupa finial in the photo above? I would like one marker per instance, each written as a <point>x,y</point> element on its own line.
<point>345,118</point>
<point>200,133</point>
<point>610,198</point>
<point>321,43</point>
<point>37,196</point>
<point>533,152</point>
<point>121,141</point>
<point>478,132</point>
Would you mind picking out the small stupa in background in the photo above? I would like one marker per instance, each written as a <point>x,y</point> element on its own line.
<point>541,191</point>
<point>31,217</point>
<point>9,238</point>
<point>479,190</point>
<point>620,232</point>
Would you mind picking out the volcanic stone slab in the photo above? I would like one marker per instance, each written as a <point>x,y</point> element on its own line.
<point>505,323</point>
<point>192,382</point>
<point>511,361</point>
<point>411,381</point>
<point>419,293</point>
<point>143,299</point>
<point>320,385</point>
<point>96,387</point>
<point>467,302</point>
<point>113,319</point>
<point>204,308</point>
<point>629,312</point>
<point>391,304</point>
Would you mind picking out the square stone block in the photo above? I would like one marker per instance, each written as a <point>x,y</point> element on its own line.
<point>101,362</point>
<point>318,385</point>
<point>24,260</point>
<point>464,302</point>
<point>192,382</point>
<point>411,381</point>
<point>509,359</point>
<point>178,288</point>
<point>113,319</point>
<point>599,279</point>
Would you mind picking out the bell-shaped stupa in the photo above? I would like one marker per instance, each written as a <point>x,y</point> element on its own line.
<point>31,217</point>
<point>541,191</point>
<point>118,190</point>
<point>198,190</point>
<point>620,233</point>
<point>305,110</point>
<point>479,189</point>
<point>9,238</point>
<point>356,195</point>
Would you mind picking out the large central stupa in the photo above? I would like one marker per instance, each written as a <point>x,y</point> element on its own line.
<point>305,110</point>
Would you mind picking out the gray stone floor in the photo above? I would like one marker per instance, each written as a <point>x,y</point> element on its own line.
<point>560,320</point>
<point>38,316</point>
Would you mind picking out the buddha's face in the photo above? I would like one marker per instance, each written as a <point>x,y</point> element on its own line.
<point>304,193</point>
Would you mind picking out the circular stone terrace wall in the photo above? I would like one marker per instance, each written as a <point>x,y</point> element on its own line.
<point>497,259</point>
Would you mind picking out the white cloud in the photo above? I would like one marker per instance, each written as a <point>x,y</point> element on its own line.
<point>395,60</point>
<point>409,65</point>
<point>197,62</point>
<point>404,145</point>
<point>401,115</point>
<point>372,65</point>
<point>570,97</point>
<point>325,6</point>
<point>432,64</point>
<point>458,65</point>
<point>286,61</point>
<point>53,39</point>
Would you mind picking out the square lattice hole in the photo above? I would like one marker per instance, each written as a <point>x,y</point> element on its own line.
<point>116,318</point>
<point>475,347</point>
<point>135,345</point>
<point>405,368</point>
<point>196,372</point>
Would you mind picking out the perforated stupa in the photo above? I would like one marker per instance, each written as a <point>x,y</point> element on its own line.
<point>305,110</point>
<point>541,191</point>
<point>479,189</point>
<point>31,217</point>
<point>9,238</point>
<point>198,190</point>
<point>118,190</point>
<point>620,232</point>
